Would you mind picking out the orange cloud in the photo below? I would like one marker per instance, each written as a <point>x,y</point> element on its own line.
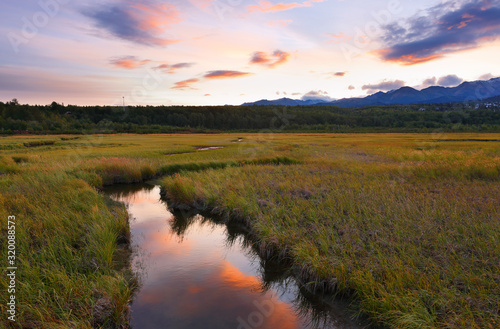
<point>409,59</point>
<point>185,84</point>
<point>267,6</point>
<point>128,62</point>
<point>223,74</point>
<point>278,57</point>
<point>259,57</point>
<point>219,74</point>
<point>412,59</point>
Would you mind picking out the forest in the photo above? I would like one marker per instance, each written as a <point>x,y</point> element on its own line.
<point>57,118</point>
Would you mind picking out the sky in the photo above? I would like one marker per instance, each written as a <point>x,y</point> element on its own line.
<point>218,52</point>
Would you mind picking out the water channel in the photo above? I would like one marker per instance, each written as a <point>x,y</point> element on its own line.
<point>196,272</point>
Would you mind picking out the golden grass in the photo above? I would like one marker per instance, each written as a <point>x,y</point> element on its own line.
<point>408,224</point>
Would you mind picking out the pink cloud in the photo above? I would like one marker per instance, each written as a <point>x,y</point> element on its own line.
<point>155,17</point>
<point>267,6</point>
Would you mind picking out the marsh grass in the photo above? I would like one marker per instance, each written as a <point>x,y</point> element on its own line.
<point>413,243</point>
<point>39,143</point>
<point>415,254</point>
<point>199,166</point>
<point>66,240</point>
<point>21,159</point>
<point>8,166</point>
<point>404,224</point>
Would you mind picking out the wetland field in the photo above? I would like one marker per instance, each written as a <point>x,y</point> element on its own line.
<point>404,229</point>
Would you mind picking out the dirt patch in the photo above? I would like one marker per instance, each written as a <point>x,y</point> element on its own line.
<point>102,312</point>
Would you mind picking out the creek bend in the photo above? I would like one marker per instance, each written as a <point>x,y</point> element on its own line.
<point>196,272</point>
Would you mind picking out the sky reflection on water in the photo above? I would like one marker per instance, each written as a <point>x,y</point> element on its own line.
<point>196,273</point>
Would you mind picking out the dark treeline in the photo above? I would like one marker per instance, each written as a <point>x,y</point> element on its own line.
<point>57,118</point>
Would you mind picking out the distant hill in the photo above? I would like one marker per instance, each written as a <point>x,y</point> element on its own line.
<point>493,99</point>
<point>287,102</point>
<point>467,91</point>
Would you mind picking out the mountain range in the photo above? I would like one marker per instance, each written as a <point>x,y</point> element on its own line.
<point>466,91</point>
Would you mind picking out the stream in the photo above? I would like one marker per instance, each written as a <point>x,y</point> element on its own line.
<point>196,272</point>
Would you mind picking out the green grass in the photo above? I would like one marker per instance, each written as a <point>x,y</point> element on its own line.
<point>66,240</point>
<point>404,224</point>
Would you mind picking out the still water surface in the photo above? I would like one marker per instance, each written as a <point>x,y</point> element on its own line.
<point>196,273</point>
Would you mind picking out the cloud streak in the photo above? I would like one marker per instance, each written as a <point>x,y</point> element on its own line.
<point>141,22</point>
<point>172,68</point>
<point>267,6</point>
<point>185,84</point>
<point>426,38</point>
<point>132,62</point>
<point>128,62</point>
<point>224,74</point>
<point>384,86</point>
<point>30,84</point>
